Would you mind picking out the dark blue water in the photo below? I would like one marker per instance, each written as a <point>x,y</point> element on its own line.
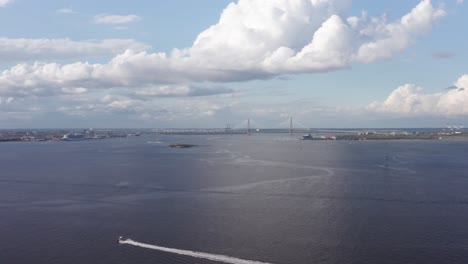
<point>263,197</point>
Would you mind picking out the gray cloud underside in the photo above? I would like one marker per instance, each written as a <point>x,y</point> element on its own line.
<point>442,55</point>
<point>178,91</point>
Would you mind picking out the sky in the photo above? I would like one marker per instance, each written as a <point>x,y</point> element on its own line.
<point>209,63</point>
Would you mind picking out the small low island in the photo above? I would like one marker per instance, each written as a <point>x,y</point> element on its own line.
<point>182,145</point>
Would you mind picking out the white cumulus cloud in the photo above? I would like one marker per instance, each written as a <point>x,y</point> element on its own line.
<point>389,39</point>
<point>8,100</point>
<point>74,90</point>
<point>5,2</point>
<point>24,49</point>
<point>411,99</point>
<point>66,11</point>
<point>115,19</point>
<point>253,39</point>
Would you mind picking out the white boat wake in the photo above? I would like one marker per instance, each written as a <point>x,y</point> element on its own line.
<point>195,254</point>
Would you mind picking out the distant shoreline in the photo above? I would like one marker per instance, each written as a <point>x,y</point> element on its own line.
<point>23,135</point>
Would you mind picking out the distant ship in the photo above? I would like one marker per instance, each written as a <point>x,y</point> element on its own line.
<point>310,137</point>
<point>73,137</point>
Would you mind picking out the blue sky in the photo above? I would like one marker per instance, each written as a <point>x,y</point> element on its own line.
<point>334,64</point>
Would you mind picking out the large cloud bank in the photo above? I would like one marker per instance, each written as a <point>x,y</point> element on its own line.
<point>253,39</point>
<point>411,99</point>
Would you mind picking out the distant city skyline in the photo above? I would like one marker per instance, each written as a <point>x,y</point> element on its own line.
<point>201,64</point>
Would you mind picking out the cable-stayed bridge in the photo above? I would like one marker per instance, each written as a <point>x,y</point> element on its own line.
<point>249,125</point>
<point>288,125</point>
